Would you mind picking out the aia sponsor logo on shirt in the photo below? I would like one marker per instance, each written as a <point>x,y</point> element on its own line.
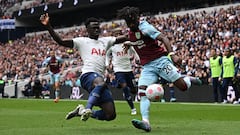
<point>121,53</point>
<point>99,52</point>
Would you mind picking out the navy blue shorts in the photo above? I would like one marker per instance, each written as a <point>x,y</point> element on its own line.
<point>87,84</point>
<point>125,77</point>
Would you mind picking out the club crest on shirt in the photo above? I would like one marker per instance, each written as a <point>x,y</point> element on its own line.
<point>138,35</point>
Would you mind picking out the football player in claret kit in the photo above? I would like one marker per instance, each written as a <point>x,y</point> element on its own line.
<point>93,53</point>
<point>144,38</point>
<point>55,66</point>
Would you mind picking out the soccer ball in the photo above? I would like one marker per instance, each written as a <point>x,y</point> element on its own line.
<point>154,92</point>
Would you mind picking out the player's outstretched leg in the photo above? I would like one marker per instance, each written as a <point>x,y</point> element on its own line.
<point>76,112</point>
<point>141,125</point>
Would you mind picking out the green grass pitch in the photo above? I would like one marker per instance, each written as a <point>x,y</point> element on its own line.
<point>44,117</point>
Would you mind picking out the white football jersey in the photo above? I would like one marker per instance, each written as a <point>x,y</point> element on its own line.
<point>93,52</point>
<point>121,61</point>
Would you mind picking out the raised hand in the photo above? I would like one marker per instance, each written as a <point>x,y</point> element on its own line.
<point>44,18</point>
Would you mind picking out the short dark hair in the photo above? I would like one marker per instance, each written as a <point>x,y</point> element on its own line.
<point>127,13</point>
<point>91,19</point>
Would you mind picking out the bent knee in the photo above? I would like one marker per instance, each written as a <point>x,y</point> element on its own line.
<point>110,117</point>
<point>183,87</point>
<point>183,83</point>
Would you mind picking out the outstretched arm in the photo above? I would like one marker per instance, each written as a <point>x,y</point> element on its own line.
<point>165,41</point>
<point>45,21</point>
<point>108,55</point>
<point>121,39</point>
<point>175,59</point>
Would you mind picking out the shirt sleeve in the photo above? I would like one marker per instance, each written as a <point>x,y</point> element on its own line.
<point>77,42</point>
<point>45,62</point>
<point>148,29</point>
<point>111,41</point>
<point>108,54</point>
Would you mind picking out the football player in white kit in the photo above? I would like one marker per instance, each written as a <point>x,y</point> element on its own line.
<point>93,53</point>
<point>122,68</point>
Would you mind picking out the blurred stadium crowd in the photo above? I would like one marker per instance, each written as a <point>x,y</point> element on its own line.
<point>21,4</point>
<point>192,36</point>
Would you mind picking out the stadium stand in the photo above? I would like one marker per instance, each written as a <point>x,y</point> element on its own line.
<point>192,33</point>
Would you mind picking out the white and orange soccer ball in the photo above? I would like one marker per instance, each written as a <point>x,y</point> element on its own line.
<point>155,92</point>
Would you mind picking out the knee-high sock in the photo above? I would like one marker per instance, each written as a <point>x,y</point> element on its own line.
<point>128,97</point>
<point>99,114</point>
<point>94,96</point>
<point>144,108</point>
<point>187,80</point>
<point>57,93</point>
<point>193,80</point>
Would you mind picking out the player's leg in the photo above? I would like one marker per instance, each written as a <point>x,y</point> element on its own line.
<point>99,96</point>
<point>168,66</point>
<point>122,79</point>
<point>52,83</point>
<point>107,112</point>
<point>148,76</point>
<point>89,82</point>
<point>99,87</point>
<point>57,87</point>
<point>170,73</point>
<point>194,80</point>
<point>215,88</point>
<point>130,83</point>
<point>106,103</point>
<point>225,85</point>
<point>235,88</point>
<point>128,98</point>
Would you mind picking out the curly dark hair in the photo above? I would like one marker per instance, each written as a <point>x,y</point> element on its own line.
<point>91,19</point>
<point>128,13</point>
